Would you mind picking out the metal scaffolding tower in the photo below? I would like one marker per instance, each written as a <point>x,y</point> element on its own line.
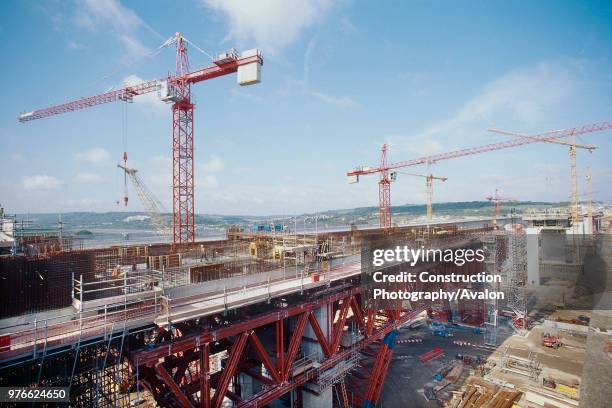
<point>517,274</point>
<point>492,267</point>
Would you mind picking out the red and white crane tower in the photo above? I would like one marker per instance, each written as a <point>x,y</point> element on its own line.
<point>175,89</point>
<point>496,201</point>
<point>385,168</point>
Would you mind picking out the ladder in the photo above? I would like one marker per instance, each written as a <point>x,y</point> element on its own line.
<point>345,403</point>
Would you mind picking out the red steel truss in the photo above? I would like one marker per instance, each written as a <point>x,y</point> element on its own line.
<point>384,191</point>
<point>162,370</point>
<point>183,214</point>
<point>183,222</point>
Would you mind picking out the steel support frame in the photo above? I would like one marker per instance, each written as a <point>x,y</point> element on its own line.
<point>379,371</point>
<point>168,356</point>
<point>384,191</point>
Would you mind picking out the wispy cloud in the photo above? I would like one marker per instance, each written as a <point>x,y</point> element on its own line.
<point>525,95</point>
<point>73,45</point>
<point>161,161</point>
<point>339,101</point>
<point>214,165</point>
<point>115,19</point>
<point>88,178</point>
<point>271,24</point>
<point>415,146</point>
<point>41,182</point>
<point>210,181</point>
<point>97,155</point>
<point>18,157</point>
<point>242,94</point>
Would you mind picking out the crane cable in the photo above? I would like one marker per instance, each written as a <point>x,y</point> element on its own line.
<point>199,49</point>
<point>134,61</point>
<point>125,156</point>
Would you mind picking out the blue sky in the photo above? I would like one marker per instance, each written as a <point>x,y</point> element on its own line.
<point>339,79</point>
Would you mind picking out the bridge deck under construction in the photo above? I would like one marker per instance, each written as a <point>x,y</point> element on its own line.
<point>189,327</point>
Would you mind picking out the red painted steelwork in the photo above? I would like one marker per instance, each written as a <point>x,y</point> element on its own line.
<point>230,368</point>
<point>179,353</point>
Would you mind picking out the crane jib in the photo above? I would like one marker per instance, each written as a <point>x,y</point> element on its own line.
<point>128,92</point>
<point>596,127</point>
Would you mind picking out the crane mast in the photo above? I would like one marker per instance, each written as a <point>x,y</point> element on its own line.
<point>589,182</point>
<point>384,190</point>
<point>429,178</point>
<point>496,200</point>
<point>183,209</point>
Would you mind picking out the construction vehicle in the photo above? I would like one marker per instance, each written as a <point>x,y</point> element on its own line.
<point>567,387</point>
<point>443,333</point>
<point>548,340</point>
<point>443,371</point>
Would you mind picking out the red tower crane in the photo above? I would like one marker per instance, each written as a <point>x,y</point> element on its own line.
<point>496,200</point>
<point>175,89</point>
<point>385,167</point>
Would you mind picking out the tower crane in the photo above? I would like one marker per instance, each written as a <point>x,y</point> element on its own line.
<point>572,156</point>
<point>589,183</point>
<point>174,89</point>
<point>385,168</point>
<point>151,204</point>
<point>429,178</point>
<point>496,200</point>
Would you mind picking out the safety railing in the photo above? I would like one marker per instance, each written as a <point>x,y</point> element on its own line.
<point>233,293</point>
<point>40,336</point>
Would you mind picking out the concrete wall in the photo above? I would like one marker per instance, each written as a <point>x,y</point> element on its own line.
<point>533,256</point>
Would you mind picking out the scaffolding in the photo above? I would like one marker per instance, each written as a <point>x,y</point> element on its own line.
<point>337,374</point>
<point>492,267</point>
<point>517,277</point>
<point>529,367</point>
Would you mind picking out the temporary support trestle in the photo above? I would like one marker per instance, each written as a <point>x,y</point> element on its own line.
<point>265,355</point>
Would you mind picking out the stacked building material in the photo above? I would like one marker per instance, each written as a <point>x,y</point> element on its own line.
<point>479,393</point>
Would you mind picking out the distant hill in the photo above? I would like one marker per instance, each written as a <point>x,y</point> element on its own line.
<point>369,215</point>
<point>362,215</point>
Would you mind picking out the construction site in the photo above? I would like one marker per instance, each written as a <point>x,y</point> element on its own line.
<point>276,315</point>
